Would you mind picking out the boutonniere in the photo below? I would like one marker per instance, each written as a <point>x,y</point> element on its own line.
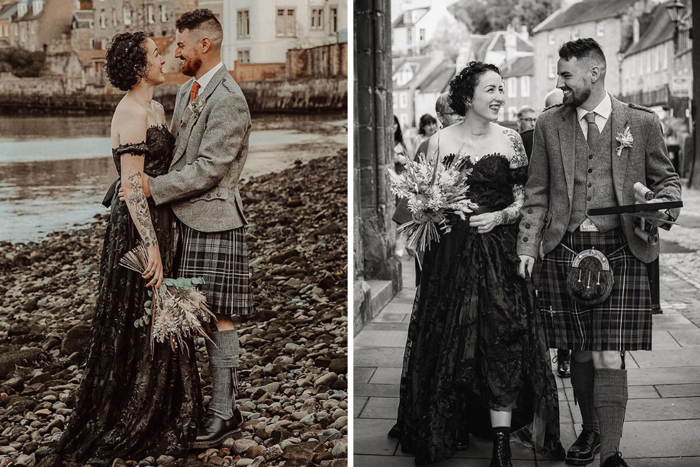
<point>196,106</point>
<point>625,140</point>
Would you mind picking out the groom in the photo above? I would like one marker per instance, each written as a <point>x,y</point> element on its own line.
<point>579,162</point>
<point>212,124</point>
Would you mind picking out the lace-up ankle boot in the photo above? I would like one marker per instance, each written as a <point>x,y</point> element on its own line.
<point>501,447</point>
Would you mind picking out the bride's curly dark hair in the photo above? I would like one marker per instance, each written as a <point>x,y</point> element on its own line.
<point>462,86</point>
<point>127,60</point>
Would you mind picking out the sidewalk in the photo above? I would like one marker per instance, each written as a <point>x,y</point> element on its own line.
<point>662,426</point>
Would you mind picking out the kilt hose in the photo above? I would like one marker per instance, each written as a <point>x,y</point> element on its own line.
<point>622,322</point>
<point>221,258</point>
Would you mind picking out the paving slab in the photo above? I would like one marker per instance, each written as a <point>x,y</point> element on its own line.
<point>386,376</point>
<point>378,390</point>
<point>358,403</point>
<point>679,408</point>
<point>387,317</point>
<point>685,357</point>
<point>381,407</point>
<point>654,376</point>
<point>378,356</point>
<point>362,374</point>
<point>679,390</point>
<point>676,438</point>
<point>370,437</point>
<point>402,327</point>
<point>367,338</point>
<point>663,340</point>
<point>689,338</point>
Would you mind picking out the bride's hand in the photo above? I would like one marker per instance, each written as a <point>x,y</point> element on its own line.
<point>154,270</point>
<point>484,223</point>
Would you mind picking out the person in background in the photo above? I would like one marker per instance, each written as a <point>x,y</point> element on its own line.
<point>400,151</point>
<point>427,127</point>
<point>526,126</point>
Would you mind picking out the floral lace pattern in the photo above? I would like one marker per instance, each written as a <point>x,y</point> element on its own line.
<point>475,340</point>
<point>131,402</point>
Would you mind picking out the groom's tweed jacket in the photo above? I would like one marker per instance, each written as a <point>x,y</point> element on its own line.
<point>549,190</point>
<point>210,152</point>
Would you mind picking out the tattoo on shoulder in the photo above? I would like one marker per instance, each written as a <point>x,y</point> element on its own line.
<point>519,158</point>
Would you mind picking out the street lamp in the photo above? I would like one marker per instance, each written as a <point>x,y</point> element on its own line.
<point>674,11</point>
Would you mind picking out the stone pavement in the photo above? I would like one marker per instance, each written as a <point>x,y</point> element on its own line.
<point>662,427</point>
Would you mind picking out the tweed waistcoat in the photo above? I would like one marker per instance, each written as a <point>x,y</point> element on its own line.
<point>593,181</point>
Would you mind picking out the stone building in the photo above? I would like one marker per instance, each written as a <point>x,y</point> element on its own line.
<point>610,22</point>
<point>262,31</point>
<point>154,17</point>
<point>8,13</point>
<point>413,30</point>
<point>376,271</point>
<point>39,22</point>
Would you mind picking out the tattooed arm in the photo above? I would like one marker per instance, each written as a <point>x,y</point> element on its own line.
<point>486,222</point>
<point>518,164</point>
<point>132,127</point>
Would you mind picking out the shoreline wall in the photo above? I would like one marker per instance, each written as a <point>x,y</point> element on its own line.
<point>51,94</point>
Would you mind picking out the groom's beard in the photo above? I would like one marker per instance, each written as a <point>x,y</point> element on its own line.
<point>576,98</point>
<point>190,67</point>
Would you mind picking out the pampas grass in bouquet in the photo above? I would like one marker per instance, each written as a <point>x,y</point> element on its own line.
<point>176,310</point>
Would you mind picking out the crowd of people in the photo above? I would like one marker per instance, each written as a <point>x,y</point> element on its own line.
<point>500,287</point>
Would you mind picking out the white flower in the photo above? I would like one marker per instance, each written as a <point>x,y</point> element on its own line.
<point>625,139</point>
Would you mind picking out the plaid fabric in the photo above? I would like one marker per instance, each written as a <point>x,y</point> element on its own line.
<point>623,322</point>
<point>221,258</point>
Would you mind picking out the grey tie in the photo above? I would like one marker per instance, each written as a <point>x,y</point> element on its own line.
<point>593,131</point>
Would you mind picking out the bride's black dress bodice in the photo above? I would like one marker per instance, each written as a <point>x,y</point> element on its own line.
<point>157,149</point>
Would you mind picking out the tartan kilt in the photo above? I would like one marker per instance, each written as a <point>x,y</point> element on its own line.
<point>622,322</point>
<point>221,258</point>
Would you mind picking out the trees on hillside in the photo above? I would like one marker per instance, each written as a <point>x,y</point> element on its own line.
<point>484,16</point>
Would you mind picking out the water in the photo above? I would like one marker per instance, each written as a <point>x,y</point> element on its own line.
<point>54,171</point>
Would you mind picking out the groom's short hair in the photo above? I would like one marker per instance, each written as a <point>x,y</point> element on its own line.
<point>202,22</point>
<point>582,48</point>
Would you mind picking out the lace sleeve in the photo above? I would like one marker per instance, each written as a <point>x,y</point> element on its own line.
<point>518,167</point>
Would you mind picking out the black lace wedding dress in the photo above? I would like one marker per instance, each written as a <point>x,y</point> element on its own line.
<point>133,403</point>
<point>475,340</point>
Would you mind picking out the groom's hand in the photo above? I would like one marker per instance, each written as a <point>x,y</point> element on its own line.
<point>525,266</point>
<point>144,185</point>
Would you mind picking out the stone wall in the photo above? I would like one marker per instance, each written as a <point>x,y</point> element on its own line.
<point>56,94</point>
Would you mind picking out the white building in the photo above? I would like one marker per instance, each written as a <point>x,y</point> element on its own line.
<point>261,31</point>
<point>413,30</point>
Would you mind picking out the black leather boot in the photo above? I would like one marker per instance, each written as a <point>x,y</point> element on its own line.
<point>215,430</point>
<point>500,456</point>
<point>615,460</point>
<point>582,452</point>
<point>564,363</point>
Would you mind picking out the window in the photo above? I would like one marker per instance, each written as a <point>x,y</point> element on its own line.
<point>421,34</point>
<point>664,58</point>
<point>163,14</point>
<point>316,18</point>
<point>512,87</point>
<point>525,86</point>
<point>551,67</point>
<point>512,113</point>
<point>334,22</point>
<point>127,16</point>
<point>550,38</point>
<point>151,14</point>
<point>404,120</point>
<point>243,24</point>
<point>244,56</point>
<point>286,22</point>
<point>409,35</point>
<point>6,29</point>
<point>656,58</point>
<point>21,9</point>
<point>600,29</point>
<point>103,20</point>
<point>114,17</point>
<point>403,100</point>
<point>37,6</point>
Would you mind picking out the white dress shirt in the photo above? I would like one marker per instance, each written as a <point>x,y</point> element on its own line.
<point>602,114</point>
<point>206,77</point>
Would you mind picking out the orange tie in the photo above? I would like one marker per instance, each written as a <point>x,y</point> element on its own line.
<point>193,91</point>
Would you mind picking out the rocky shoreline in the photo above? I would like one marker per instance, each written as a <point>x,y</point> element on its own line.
<point>293,391</point>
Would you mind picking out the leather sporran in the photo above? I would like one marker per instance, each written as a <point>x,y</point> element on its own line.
<point>590,279</point>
